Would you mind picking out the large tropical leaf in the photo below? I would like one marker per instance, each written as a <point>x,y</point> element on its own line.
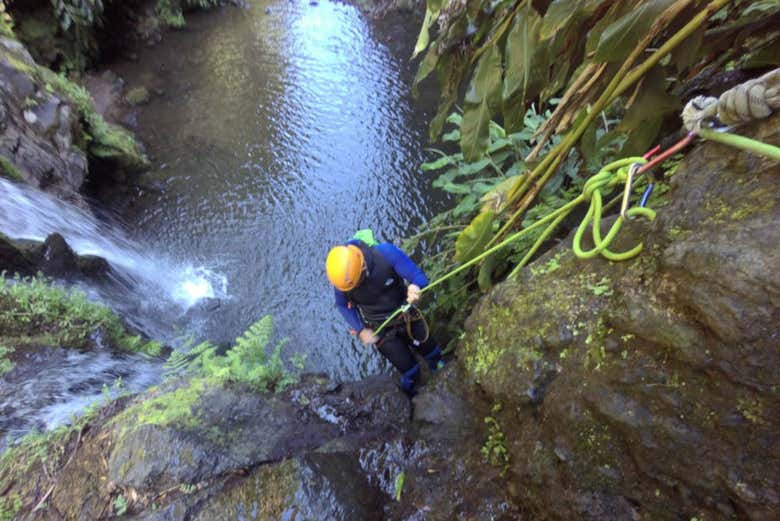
<point>475,135</point>
<point>495,199</point>
<point>526,66</point>
<point>424,38</point>
<point>474,237</point>
<point>619,38</point>
<point>427,66</point>
<point>483,97</point>
<point>645,114</point>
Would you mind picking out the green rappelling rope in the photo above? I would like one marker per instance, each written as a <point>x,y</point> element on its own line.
<point>741,142</point>
<point>608,177</point>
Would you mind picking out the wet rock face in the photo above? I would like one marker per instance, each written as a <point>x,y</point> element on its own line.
<point>648,389</point>
<point>38,130</point>
<point>317,451</point>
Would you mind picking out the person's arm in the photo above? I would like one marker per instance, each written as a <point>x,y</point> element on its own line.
<point>349,313</point>
<point>402,264</point>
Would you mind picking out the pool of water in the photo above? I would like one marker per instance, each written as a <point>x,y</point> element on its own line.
<point>275,132</point>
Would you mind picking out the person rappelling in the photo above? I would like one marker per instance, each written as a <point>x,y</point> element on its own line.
<point>370,285</point>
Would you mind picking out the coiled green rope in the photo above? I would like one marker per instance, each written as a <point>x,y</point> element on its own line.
<point>609,177</point>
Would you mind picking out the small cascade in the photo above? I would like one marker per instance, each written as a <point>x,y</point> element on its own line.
<point>151,286</point>
<point>155,294</point>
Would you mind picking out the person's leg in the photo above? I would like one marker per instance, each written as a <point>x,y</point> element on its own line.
<point>429,349</point>
<point>393,346</point>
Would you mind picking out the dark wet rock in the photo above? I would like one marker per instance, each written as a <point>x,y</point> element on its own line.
<point>53,257</point>
<point>39,130</point>
<point>57,259</point>
<point>316,451</point>
<point>106,90</point>
<point>440,408</point>
<point>51,136</point>
<point>653,391</point>
<point>16,257</point>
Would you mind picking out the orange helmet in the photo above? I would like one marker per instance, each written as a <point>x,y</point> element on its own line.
<point>345,266</point>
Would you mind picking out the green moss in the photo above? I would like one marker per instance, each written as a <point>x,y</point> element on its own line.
<point>19,461</point>
<point>675,233</point>
<point>170,15</point>
<point>268,493</point>
<point>32,28</point>
<point>173,408</point>
<point>104,141</point>
<point>6,22</point>
<point>5,364</point>
<point>137,96</point>
<point>550,266</point>
<point>494,449</point>
<point>32,310</point>
<point>9,507</point>
<point>600,287</point>
<point>9,170</point>
<point>752,410</point>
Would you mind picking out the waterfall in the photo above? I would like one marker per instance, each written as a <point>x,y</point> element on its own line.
<point>150,285</point>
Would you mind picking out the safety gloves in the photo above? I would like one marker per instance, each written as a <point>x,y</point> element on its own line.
<point>412,293</point>
<point>367,336</point>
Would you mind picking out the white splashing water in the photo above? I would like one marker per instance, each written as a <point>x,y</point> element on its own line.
<point>27,213</point>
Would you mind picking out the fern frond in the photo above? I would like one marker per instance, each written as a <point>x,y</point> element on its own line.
<point>250,347</point>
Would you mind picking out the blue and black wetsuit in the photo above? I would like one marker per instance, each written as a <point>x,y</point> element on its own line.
<point>381,291</point>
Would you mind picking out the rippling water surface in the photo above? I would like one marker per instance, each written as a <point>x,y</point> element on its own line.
<point>277,131</point>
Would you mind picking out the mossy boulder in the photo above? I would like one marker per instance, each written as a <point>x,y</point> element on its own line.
<point>648,388</point>
<point>51,135</point>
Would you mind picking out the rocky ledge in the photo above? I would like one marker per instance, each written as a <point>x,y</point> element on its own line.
<point>195,451</point>
<point>648,389</point>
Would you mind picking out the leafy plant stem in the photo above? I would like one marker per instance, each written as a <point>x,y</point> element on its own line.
<point>498,34</point>
<point>436,230</point>
<point>619,83</point>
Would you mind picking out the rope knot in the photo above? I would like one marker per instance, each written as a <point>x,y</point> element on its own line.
<point>754,99</point>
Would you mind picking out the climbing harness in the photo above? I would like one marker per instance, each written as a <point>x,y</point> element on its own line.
<point>754,99</point>
<point>409,314</point>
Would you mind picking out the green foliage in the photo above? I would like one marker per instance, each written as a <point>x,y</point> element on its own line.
<point>104,140</point>
<point>33,309</point>
<point>77,18</point>
<point>75,14</point>
<point>494,449</point>
<point>473,238</point>
<point>170,14</point>
<point>9,170</point>
<point>400,479</point>
<point>9,507</point>
<point>120,505</point>
<point>247,362</point>
<point>483,187</point>
<point>170,11</point>
<point>529,51</point>
<point>6,25</point>
<point>5,364</point>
